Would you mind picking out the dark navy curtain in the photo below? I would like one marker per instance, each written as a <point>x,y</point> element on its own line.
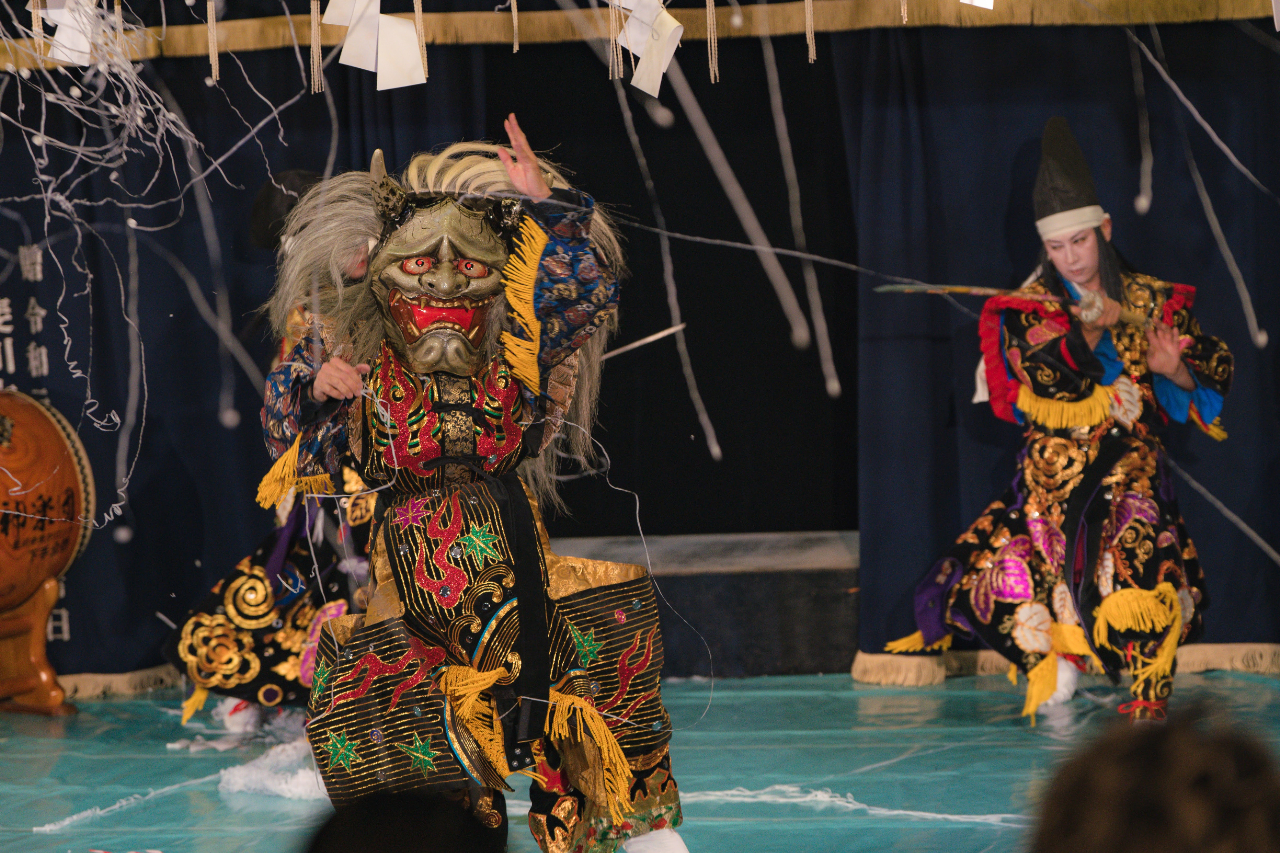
<point>942,135</point>
<point>190,509</point>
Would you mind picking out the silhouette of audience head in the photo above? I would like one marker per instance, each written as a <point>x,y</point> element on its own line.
<point>407,823</point>
<point>1172,788</point>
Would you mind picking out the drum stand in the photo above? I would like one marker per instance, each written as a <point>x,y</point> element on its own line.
<point>27,683</point>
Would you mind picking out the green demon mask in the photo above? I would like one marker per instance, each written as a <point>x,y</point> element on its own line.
<point>437,273</point>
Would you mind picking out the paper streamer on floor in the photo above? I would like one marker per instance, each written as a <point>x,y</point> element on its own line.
<point>120,805</point>
<point>794,795</point>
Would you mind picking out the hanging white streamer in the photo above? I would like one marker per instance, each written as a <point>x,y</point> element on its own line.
<point>812,294</point>
<point>1258,334</point>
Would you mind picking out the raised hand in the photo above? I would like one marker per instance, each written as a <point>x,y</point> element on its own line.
<point>338,380</point>
<point>523,168</point>
<point>1164,354</point>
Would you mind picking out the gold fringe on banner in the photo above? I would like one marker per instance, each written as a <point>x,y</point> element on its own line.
<point>775,19</point>
<point>37,27</point>
<point>119,20</point>
<point>212,22</point>
<point>808,31</point>
<point>615,49</point>
<point>317,66</point>
<point>422,36</point>
<point>515,27</point>
<point>713,43</point>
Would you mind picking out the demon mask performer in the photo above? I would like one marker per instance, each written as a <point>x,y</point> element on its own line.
<point>1085,557</point>
<point>473,336</point>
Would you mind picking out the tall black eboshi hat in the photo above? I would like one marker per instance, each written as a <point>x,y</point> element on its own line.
<point>1064,197</point>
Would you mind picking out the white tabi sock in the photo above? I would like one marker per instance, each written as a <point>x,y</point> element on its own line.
<point>658,841</point>
<point>1068,675</point>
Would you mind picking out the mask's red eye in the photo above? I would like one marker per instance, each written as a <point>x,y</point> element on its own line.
<point>417,266</point>
<point>471,269</point>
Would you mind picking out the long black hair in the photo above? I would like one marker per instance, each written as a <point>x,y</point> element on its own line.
<point>1111,266</point>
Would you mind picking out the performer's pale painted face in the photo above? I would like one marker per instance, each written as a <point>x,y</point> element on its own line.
<point>1076,255</point>
<point>436,279</point>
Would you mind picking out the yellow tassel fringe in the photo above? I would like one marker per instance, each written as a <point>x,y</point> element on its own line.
<point>1070,640</point>
<point>915,643</point>
<point>519,281</point>
<point>194,703</point>
<point>1062,414</point>
<point>1147,611</point>
<point>463,685</point>
<point>1215,430</point>
<point>1041,682</point>
<point>283,476</point>
<point>617,772</point>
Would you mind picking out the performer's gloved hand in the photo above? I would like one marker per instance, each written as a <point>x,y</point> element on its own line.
<point>338,380</point>
<point>1164,355</point>
<point>523,169</point>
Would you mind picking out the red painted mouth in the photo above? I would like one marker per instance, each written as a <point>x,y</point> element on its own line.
<point>417,315</point>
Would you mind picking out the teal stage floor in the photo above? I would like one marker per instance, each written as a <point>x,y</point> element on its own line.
<point>777,765</point>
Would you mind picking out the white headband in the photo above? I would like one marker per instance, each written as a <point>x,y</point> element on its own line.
<point>1070,221</point>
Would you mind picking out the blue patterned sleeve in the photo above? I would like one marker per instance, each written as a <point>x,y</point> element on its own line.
<point>576,293</point>
<point>288,415</point>
<point>1177,401</point>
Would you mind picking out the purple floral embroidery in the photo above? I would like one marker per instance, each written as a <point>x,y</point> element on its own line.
<point>1048,539</point>
<point>1008,579</point>
<point>1132,507</point>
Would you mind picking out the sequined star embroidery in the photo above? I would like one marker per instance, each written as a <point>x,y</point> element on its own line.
<point>479,543</point>
<point>411,515</point>
<point>341,751</point>
<point>420,754</point>
<point>587,645</point>
<point>319,681</point>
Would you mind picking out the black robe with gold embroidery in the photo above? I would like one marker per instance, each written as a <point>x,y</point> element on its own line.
<point>1086,553</point>
<point>482,653</point>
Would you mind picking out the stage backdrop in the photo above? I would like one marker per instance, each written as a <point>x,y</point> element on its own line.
<point>942,130</point>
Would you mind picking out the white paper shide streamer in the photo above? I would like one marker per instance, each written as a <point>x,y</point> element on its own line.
<point>652,34</point>
<point>78,27</point>
<point>391,47</point>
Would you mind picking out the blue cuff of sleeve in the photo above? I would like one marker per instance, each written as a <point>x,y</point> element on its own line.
<point>1177,401</point>
<point>560,205</point>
